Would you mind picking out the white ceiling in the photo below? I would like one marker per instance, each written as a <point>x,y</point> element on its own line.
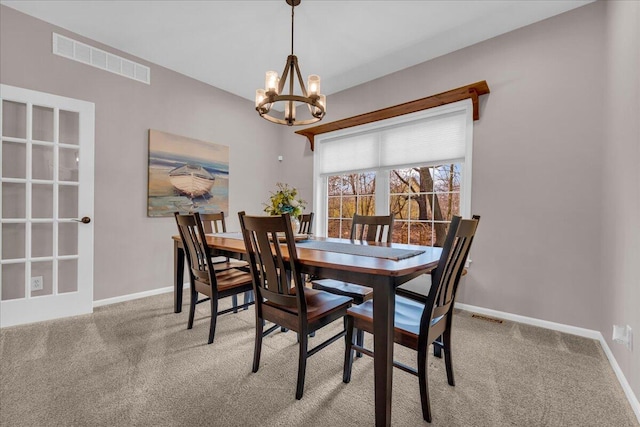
<point>230,44</point>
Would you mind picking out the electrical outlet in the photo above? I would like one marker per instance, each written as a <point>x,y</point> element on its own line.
<point>623,335</point>
<point>37,283</point>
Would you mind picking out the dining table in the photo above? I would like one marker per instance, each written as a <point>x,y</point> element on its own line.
<point>363,263</point>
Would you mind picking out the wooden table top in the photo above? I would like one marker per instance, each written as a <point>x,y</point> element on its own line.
<point>232,242</point>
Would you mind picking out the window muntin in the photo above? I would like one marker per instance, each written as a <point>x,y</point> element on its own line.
<point>423,200</point>
<point>347,195</point>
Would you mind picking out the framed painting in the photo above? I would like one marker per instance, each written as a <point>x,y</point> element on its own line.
<point>186,175</point>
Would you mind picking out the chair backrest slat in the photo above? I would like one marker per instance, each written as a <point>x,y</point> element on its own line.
<point>372,228</point>
<point>306,222</point>
<point>213,222</point>
<point>274,277</point>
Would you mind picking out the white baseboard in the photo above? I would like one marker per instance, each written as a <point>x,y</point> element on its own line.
<point>131,297</point>
<point>587,333</point>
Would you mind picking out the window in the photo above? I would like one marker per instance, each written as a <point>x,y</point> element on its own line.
<point>423,200</point>
<point>417,166</point>
<point>347,195</point>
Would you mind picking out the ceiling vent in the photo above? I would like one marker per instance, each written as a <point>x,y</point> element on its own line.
<point>98,58</point>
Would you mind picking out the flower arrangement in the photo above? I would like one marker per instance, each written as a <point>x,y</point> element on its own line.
<point>284,200</point>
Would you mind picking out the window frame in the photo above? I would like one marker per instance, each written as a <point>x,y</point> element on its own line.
<point>320,181</point>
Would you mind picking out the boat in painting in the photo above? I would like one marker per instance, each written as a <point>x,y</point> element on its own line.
<point>191,180</point>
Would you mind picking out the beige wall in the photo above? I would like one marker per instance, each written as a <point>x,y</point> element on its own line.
<point>555,166</point>
<point>620,274</point>
<point>133,252</point>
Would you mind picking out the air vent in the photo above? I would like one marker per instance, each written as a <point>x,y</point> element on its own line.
<point>488,319</point>
<point>98,58</point>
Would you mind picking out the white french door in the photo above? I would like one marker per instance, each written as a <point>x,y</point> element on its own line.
<point>46,206</point>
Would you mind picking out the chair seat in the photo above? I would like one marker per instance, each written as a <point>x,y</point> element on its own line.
<point>319,304</point>
<point>358,293</point>
<point>221,264</point>
<point>232,278</point>
<point>406,321</point>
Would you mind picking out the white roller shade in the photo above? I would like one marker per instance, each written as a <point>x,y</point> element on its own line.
<point>429,136</point>
<point>349,153</point>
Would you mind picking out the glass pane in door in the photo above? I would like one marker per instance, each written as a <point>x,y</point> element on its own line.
<point>67,201</point>
<point>14,159</point>
<point>13,238</point>
<point>69,127</point>
<point>42,201</point>
<point>69,159</point>
<point>12,281</point>
<point>41,240</point>
<point>42,162</point>
<point>67,275</point>
<point>68,238</point>
<point>42,118</point>
<point>13,200</point>
<point>14,119</point>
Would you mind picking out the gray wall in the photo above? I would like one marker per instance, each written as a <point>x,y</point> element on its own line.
<point>620,274</point>
<point>555,175</point>
<point>133,252</point>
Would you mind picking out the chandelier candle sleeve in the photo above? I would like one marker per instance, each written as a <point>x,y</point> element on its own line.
<point>314,85</point>
<point>271,81</point>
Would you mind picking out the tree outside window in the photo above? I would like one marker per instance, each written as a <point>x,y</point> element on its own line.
<point>349,194</point>
<point>422,199</point>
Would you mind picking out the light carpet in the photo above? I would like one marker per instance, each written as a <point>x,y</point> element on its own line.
<point>136,364</point>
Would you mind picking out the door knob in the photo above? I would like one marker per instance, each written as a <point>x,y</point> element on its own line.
<point>84,220</point>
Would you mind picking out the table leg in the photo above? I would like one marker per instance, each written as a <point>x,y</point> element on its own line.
<point>383,318</point>
<point>178,275</point>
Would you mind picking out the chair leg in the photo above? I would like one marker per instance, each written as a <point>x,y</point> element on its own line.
<point>359,340</point>
<point>302,362</point>
<point>248,297</point>
<point>437,351</point>
<point>192,308</point>
<point>234,303</point>
<point>424,385</point>
<point>447,356</point>
<point>214,318</point>
<point>258,343</point>
<point>348,351</point>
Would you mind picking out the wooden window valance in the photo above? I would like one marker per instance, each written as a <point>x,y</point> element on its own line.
<point>472,91</point>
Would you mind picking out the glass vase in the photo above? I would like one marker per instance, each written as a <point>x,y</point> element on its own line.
<point>295,224</point>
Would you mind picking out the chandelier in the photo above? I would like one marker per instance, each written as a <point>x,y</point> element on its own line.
<point>274,91</point>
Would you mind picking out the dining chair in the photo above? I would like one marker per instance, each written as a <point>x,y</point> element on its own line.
<point>280,294</point>
<point>374,228</point>
<point>214,222</point>
<point>306,221</point>
<point>417,325</point>
<point>418,288</point>
<point>203,276</point>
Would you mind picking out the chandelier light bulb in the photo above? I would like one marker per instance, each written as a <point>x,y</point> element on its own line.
<point>314,85</point>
